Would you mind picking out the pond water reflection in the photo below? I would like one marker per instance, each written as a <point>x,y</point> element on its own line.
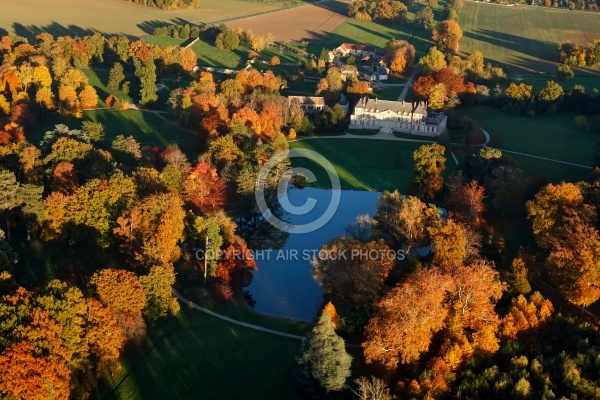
<point>283,284</point>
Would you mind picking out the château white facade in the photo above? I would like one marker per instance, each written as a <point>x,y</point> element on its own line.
<point>397,116</point>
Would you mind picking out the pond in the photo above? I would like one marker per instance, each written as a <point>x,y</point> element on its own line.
<point>283,285</point>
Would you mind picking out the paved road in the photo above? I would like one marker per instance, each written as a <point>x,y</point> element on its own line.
<point>409,82</point>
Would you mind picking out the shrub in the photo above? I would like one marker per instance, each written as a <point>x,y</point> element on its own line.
<point>563,71</point>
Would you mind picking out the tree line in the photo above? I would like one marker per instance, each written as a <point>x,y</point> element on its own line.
<point>169,4</point>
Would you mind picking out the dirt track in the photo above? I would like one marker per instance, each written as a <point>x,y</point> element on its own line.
<point>306,22</point>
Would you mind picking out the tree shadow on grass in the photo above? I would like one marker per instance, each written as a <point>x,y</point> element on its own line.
<point>530,49</point>
<point>150,26</point>
<point>56,29</point>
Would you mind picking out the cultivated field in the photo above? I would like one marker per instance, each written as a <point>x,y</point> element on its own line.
<point>67,17</point>
<point>300,23</point>
<point>524,39</point>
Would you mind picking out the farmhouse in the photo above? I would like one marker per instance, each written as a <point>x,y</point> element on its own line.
<point>356,50</point>
<point>396,116</point>
<point>308,104</point>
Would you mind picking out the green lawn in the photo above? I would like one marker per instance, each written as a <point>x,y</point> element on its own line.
<point>523,39</point>
<point>388,93</point>
<point>196,356</point>
<point>146,127</point>
<point>552,137</point>
<point>362,164</point>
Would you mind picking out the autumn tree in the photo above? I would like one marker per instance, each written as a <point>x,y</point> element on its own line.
<point>324,364</point>
<point>187,59</point>
<point>422,88</point>
<point>520,92</point>
<point>437,97</point>
<point>27,375</point>
<point>574,262</point>
<point>88,97</point>
<point>31,164</point>
<point>428,169</point>
<point>150,232</point>
<point>330,309</point>
<point>391,10</point>
<point>472,321</point>
<point>406,319</point>
<point>235,271</point>
<point>401,220</point>
<point>563,71</point>
<point>433,61</point>
<point>519,275</point>
<point>122,293</point>
<point>555,206</point>
<point>525,314</point>
<point>64,178</point>
<point>9,199</point>
<point>359,87</point>
<point>466,200</point>
<point>65,304</point>
<point>353,283</point>
<point>102,333</point>
<point>453,243</point>
<point>402,55</point>
<point>157,287</point>
<point>44,97</point>
<point>446,35</point>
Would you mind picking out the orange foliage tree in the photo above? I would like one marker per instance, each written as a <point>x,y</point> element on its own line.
<point>204,188</point>
<point>447,34</point>
<point>406,319</point>
<point>26,374</point>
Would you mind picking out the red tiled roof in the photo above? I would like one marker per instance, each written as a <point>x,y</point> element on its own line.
<point>357,47</point>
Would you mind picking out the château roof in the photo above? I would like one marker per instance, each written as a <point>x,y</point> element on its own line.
<point>388,105</point>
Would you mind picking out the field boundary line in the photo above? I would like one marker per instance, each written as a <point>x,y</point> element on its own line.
<point>543,158</point>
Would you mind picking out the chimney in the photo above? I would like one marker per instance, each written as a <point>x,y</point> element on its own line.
<point>375,100</point>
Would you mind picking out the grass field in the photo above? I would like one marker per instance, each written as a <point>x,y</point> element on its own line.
<point>98,79</point>
<point>196,356</point>
<point>552,137</point>
<point>362,164</point>
<point>524,39</point>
